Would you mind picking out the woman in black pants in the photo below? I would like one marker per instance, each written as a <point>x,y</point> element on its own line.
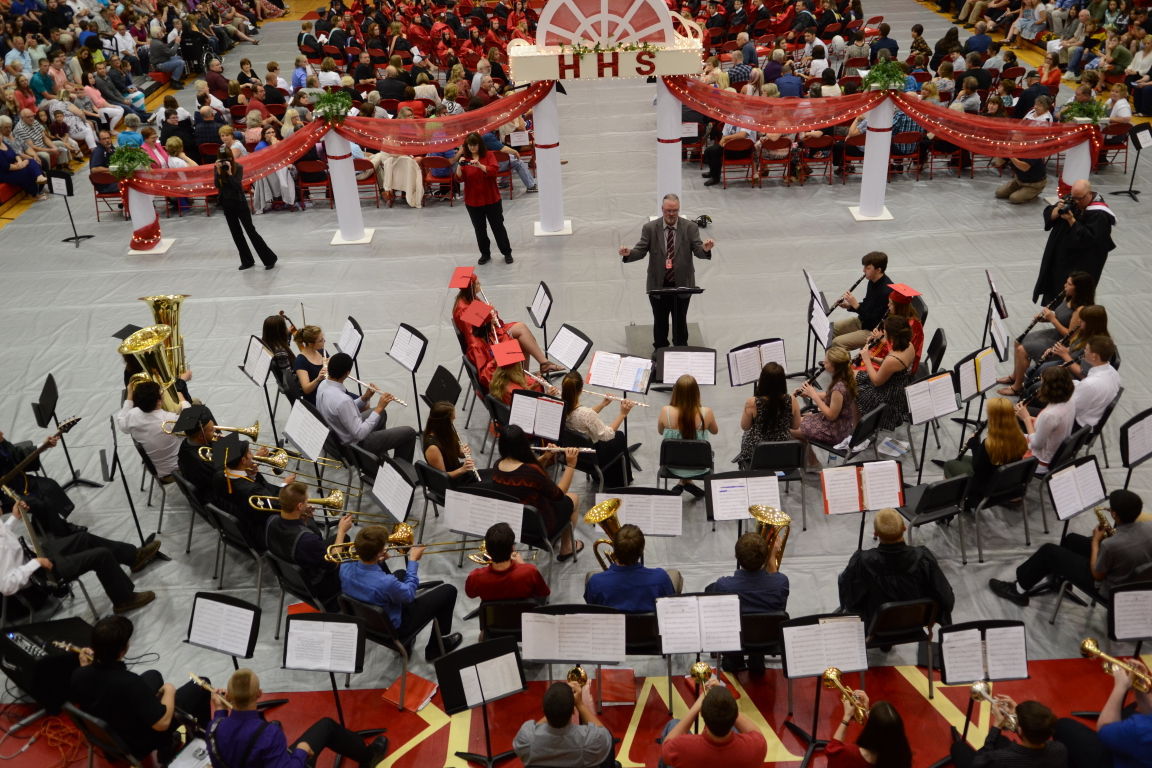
<point>229,177</point>
<point>477,168</point>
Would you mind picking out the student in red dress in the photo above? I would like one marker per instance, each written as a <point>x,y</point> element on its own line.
<point>882,742</point>
<point>729,739</point>
<point>507,577</point>
<point>477,168</point>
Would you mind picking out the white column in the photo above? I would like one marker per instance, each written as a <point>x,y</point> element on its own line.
<point>342,176</point>
<point>145,225</point>
<point>546,125</point>
<point>1077,165</point>
<point>669,174</point>
<point>874,181</point>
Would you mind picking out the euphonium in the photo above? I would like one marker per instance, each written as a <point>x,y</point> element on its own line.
<point>1105,523</point>
<point>982,690</point>
<point>166,311</point>
<point>341,553</point>
<point>832,679</point>
<point>1141,681</point>
<point>701,672</point>
<point>578,675</point>
<point>147,345</point>
<point>604,515</point>
<point>774,524</point>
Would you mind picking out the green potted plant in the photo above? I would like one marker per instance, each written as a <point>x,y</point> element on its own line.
<point>1083,112</point>
<point>885,75</point>
<point>333,106</point>
<point>126,161</point>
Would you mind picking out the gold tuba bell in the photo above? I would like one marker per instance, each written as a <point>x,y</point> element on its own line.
<point>774,525</point>
<point>577,675</point>
<point>147,345</point>
<point>166,311</point>
<point>604,515</point>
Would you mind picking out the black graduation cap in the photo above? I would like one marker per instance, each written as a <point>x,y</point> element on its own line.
<point>226,449</point>
<point>191,419</point>
<point>125,332</point>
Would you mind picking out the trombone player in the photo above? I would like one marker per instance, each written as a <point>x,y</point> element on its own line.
<point>198,427</point>
<point>507,576</point>
<point>236,480</point>
<point>293,536</point>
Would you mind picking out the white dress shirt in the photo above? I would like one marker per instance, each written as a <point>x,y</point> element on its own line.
<point>163,449</point>
<point>1094,392</point>
<point>340,410</point>
<point>1052,425</point>
<point>14,571</point>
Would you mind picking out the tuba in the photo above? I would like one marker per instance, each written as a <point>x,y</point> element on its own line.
<point>147,345</point>
<point>604,515</point>
<point>832,679</point>
<point>774,525</point>
<point>166,311</point>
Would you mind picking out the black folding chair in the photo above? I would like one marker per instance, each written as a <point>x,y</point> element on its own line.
<point>684,455</point>
<point>865,431</point>
<point>1007,483</point>
<point>292,581</point>
<point>787,457</point>
<point>933,502</point>
<point>232,536</point>
<point>101,738</point>
<point>899,623</point>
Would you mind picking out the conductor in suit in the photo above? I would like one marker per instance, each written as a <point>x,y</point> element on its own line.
<point>670,242</point>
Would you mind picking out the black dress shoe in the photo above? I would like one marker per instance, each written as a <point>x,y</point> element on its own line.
<point>508,258</point>
<point>377,750</point>
<point>1007,590</point>
<point>711,182</point>
<point>272,264</point>
<point>247,266</point>
<point>484,260</point>
<point>451,643</point>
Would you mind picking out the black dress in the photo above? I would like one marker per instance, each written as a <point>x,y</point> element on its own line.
<point>239,218</point>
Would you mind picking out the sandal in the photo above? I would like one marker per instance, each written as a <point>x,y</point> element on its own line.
<point>1008,391</point>
<point>1005,380</point>
<point>548,367</point>
<point>568,556</point>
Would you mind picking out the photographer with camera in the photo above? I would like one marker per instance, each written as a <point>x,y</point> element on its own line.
<point>229,177</point>
<point>1079,230</point>
<point>477,167</point>
<point>1029,177</point>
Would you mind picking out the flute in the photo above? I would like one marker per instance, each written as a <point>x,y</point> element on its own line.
<point>1050,305</point>
<point>208,687</point>
<point>466,452</point>
<point>377,390</point>
<point>840,301</point>
<point>555,449</point>
<point>591,392</point>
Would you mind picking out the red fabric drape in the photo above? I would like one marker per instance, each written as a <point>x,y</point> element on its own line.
<point>770,115</point>
<point>997,137</point>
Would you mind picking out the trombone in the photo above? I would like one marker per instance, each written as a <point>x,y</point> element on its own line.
<point>604,515</point>
<point>277,457</point>
<point>252,432</point>
<point>833,679</point>
<point>334,501</point>
<point>1141,681</point>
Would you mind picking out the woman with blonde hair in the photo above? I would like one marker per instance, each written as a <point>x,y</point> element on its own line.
<point>449,105</point>
<point>836,406</point>
<point>328,75</point>
<point>755,84</point>
<point>1004,442</point>
<point>686,419</point>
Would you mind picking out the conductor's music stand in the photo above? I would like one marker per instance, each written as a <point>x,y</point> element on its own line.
<point>702,360</point>
<point>475,675</point>
<point>45,413</point>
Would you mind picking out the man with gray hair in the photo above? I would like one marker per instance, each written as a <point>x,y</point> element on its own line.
<point>1075,32</point>
<point>29,134</point>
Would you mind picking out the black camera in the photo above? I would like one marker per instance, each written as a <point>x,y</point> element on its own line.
<point>1069,204</point>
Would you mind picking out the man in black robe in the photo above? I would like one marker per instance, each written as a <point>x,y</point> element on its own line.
<point>1079,238</point>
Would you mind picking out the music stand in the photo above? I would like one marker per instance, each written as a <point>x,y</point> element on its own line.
<point>981,394</point>
<point>569,347</point>
<point>408,348</point>
<point>1135,442</point>
<point>805,631</point>
<point>1141,138</point>
<point>816,301</point>
<point>699,362</point>
<point>45,412</point>
<point>351,339</point>
<point>393,490</point>
<point>326,642</point>
<point>60,184</point>
<point>227,625</point>
<point>738,354</point>
<point>462,675</point>
<point>256,366</point>
<point>935,398</point>
<point>540,309</point>
<point>995,301</point>
<point>1129,618</point>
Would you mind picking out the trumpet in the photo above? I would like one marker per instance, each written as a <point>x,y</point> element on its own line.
<point>557,449</point>
<point>201,682</point>
<point>604,515</point>
<point>982,690</point>
<point>1141,681</point>
<point>1102,519</point>
<point>252,432</point>
<point>701,672</point>
<point>466,452</point>
<point>832,678</point>
<point>371,388</point>
<point>840,301</point>
<point>278,457</point>
<point>577,675</point>
<point>334,500</point>
<point>774,526</point>
<point>1050,305</point>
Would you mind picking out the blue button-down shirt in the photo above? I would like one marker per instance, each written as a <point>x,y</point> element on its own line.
<point>628,588</point>
<point>230,733</point>
<point>369,583</point>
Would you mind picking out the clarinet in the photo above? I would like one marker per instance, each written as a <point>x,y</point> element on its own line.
<point>840,301</point>
<point>1063,340</point>
<point>811,381</point>
<point>873,343</point>
<point>1050,305</point>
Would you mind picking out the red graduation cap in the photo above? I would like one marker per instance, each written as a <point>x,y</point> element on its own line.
<point>477,313</point>
<point>901,293</point>
<point>508,352</point>
<point>461,277</point>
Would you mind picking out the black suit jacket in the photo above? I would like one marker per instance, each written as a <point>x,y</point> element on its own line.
<point>688,244</point>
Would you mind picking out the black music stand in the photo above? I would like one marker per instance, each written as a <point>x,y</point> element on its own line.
<point>450,671</point>
<point>407,361</point>
<point>302,658</point>
<point>658,371</point>
<point>1129,461</point>
<point>60,184</point>
<point>257,366</point>
<point>110,474</point>
<point>542,303</point>
<point>995,301</point>
<point>352,352</point>
<point>566,332</point>
<point>227,625</point>
<point>45,412</point>
<point>1141,137</point>
<point>966,421</point>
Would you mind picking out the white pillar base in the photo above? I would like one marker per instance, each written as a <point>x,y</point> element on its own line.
<point>539,230</point>
<point>160,247</point>
<point>338,239</point>
<point>885,214</point>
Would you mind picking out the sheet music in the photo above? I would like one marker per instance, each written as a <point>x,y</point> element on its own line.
<point>306,432</point>
<point>634,374</point>
<point>841,487</point>
<point>931,399</point>
<point>969,384</point>
<point>220,626</point>
<point>541,303</point>
<point>773,352</point>
<point>719,623</point>
<point>919,401</point>
<point>523,412</point>
<point>393,491</point>
<point>406,348</point>
<point>818,322</point>
<point>328,646</point>
<point>963,656</point>
<point>699,365</point>
<point>729,498</point>
<point>257,361</point>
<point>803,651</point>
<point>474,515</point>
<point>499,676</point>
<point>470,682</point>
<point>764,490</point>
<point>602,371</point>
<point>541,637</point>
<point>350,339</point>
<point>743,366</point>
<point>1001,339</point>
<point>679,623</point>
<point>549,418</point>
<point>1139,440</point>
<point>1132,615</point>
<point>566,347</point>
<point>1007,654</point>
<point>595,637</point>
<point>882,485</point>
<point>656,515</point>
<point>985,363</point>
<point>843,640</point>
<point>689,130</point>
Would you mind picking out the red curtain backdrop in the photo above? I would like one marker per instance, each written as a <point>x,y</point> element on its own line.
<point>982,135</point>
<point>401,137</point>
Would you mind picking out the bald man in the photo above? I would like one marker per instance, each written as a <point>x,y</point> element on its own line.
<point>1079,231</point>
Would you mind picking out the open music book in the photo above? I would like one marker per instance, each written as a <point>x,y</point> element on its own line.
<point>257,361</point>
<point>350,339</point>
<point>1076,488</point>
<point>976,374</point>
<point>837,641</point>
<point>574,637</point>
<point>540,416</point>
<point>872,485</point>
<point>731,497</point>
<point>568,347</point>
<point>490,680</point>
<point>306,432</point>
<point>699,365</point>
<point>614,371</point>
<point>931,398</point>
<point>474,515</point>
<point>1001,339</point>
<point>221,626</point>
<point>407,347</point>
<point>995,653</point>
<point>325,646</point>
<point>541,305</point>
<point>655,515</point>
<point>695,624</point>
<point>744,364</point>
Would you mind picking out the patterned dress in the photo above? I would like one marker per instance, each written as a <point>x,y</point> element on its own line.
<point>815,427</point>
<point>891,393</point>
<point>780,430</point>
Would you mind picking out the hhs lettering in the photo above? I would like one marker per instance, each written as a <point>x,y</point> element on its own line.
<point>606,64</point>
